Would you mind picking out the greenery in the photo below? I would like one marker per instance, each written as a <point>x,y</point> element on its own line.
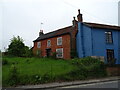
<point>73,53</point>
<point>18,48</point>
<point>43,70</point>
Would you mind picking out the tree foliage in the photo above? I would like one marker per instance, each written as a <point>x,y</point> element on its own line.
<point>18,48</point>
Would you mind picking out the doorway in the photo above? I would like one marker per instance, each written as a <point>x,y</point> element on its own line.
<point>48,52</point>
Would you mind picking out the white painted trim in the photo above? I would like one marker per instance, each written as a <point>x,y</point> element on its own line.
<point>58,39</point>
<point>62,52</point>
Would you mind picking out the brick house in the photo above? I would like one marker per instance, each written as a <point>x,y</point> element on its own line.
<point>61,41</point>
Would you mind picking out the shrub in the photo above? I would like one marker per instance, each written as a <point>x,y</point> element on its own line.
<point>54,55</point>
<point>4,62</point>
<point>73,53</point>
<point>112,62</point>
<point>13,76</point>
<point>89,67</point>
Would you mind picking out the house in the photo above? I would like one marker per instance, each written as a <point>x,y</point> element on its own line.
<point>61,41</point>
<point>87,39</point>
<point>98,40</point>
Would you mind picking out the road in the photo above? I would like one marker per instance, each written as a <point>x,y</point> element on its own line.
<point>108,84</point>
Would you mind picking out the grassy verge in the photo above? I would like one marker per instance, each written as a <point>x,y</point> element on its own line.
<point>21,71</point>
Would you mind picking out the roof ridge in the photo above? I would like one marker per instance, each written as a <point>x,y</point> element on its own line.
<point>100,24</point>
<point>58,30</point>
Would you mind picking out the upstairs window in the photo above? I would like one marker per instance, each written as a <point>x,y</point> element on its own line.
<point>59,41</point>
<point>38,44</point>
<point>48,43</point>
<point>109,37</point>
<point>59,53</point>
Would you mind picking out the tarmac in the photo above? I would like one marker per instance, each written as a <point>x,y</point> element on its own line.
<point>63,84</point>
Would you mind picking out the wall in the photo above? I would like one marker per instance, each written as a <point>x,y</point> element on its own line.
<point>91,42</point>
<point>84,44</point>
<point>65,45</point>
<point>100,45</point>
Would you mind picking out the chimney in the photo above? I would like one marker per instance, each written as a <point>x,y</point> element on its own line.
<point>74,22</point>
<point>79,16</point>
<point>41,33</point>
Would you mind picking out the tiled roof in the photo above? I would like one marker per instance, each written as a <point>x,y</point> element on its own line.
<point>67,30</point>
<point>102,26</point>
<point>58,32</point>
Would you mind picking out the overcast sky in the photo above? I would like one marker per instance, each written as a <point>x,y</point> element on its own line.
<point>24,17</point>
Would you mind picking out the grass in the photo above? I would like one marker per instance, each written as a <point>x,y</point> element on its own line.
<point>36,66</point>
<point>43,70</point>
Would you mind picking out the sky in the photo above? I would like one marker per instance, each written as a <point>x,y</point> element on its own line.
<point>24,17</point>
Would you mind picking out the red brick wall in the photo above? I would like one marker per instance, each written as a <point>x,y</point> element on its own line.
<point>65,45</point>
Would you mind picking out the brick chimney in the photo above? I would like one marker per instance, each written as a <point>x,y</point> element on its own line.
<point>79,16</point>
<point>74,22</point>
<point>41,33</point>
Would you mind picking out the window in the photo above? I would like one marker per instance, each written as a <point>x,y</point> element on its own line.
<point>59,53</point>
<point>38,44</point>
<point>110,54</point>
<point>38,53</point>
<point>59,41</point>
<point>109,37</point>
<point>48,43</point>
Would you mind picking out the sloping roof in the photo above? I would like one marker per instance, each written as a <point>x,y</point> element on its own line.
<point>67,30</point>
<point>102,26</point>
<point>58,32</point>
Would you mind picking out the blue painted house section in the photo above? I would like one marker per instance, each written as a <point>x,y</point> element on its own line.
<point>91,41</point>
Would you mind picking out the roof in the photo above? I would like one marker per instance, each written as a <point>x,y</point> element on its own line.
<point>55,33</point>
<point>102,26</point>
<point>67,30</point>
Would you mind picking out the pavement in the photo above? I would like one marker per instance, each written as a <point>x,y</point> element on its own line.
<point>63,84</point>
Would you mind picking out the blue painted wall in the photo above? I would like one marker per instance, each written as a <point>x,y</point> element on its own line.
<point>91,42</point>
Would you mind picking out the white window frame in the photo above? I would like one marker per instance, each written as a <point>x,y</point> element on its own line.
<point>61,52</point>
<point>59,38</point>
<point>38,44</point>
<point>48,43</point>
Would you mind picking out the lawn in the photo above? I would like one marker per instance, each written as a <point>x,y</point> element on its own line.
<point>36,67</point>
<point>22,71</point>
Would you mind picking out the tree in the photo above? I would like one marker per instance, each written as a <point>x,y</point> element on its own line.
<point>16,47</point>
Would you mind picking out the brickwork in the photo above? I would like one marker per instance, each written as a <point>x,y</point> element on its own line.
<point>65,45</point>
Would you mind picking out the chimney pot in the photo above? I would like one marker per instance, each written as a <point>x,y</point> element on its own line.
<point>78,11</point>
<point>79,16</point>
<point>74,22</point>
<point>73,18</point>
<point>41,33</point>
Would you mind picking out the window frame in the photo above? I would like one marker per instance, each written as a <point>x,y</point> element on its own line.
<point>57,56</point>
<point>48,43</point>
<point>38,44</point>
<point>108,37</point>
<point>60,41</point>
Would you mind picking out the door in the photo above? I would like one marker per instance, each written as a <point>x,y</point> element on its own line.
<point>48,52</point>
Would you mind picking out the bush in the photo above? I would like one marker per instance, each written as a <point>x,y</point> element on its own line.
<point>54,55</point>
<point>13,76</point>
<point>89,67</point>
<point>4,62</point>
<point>73,54</point>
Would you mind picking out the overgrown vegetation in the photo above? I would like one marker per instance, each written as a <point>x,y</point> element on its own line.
<point>21,71</point>
<point>18,48</point>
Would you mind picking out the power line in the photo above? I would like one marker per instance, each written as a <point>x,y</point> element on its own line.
<point>89,14</point>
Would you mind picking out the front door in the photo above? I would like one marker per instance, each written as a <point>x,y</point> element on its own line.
<point>48,52</point>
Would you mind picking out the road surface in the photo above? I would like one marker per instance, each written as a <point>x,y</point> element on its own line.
<point>108,84</point>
